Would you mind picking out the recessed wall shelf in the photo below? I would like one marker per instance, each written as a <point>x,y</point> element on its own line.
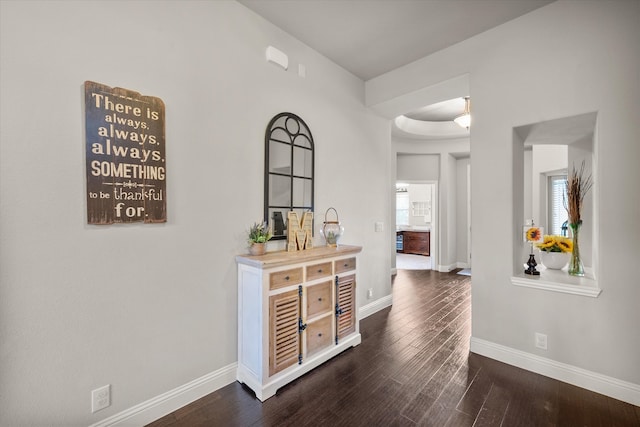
<point>552,146</point>
<point>559,281</point>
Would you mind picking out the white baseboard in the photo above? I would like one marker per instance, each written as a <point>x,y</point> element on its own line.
<point>159,406</point>
<point>612,387</point>
<point>375,306</point>
<point>462,265</point>
<point>446,268</point>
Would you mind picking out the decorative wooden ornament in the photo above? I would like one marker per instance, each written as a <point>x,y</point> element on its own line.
<point>299,233</point>
<point>307,227</point>
<point>292,228</point>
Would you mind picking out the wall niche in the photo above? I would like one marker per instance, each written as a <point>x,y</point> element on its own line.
<point>543,152</point>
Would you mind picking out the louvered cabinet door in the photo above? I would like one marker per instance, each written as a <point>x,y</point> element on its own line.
<point>284,339</point>
<point>345,306</point>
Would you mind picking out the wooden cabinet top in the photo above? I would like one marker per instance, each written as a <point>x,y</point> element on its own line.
<point>280,258</point>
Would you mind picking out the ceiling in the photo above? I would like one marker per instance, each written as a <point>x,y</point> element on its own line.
<point>565,131</point>
<point>372,37</point>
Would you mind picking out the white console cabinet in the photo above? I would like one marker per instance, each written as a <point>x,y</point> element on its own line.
<point>296,310</point>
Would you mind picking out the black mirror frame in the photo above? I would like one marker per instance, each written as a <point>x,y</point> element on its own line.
<point>267,169</point>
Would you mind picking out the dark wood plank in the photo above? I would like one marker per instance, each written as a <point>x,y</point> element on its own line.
<point>434,378</point>
<point>459,419</point>
<point>440,411</point>
<point>476,394</point>
<point>622,413</point>
<point>413,368</point>
<point>495,407</point>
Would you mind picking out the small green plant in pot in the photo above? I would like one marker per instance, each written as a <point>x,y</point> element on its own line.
<point>259,233</point>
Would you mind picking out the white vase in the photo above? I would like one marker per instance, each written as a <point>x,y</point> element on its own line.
<point>554,260</point>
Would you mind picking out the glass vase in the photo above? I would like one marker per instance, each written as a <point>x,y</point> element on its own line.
<point>576,268</point>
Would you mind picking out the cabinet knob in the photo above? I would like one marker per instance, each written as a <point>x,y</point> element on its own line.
<point>346,264</point>
<point>319,299</point>
<point>286,278</point>
<point>319,270</point>
<point>320,334</point>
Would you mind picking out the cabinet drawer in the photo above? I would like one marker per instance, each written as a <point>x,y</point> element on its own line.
<point>345,265</point>
<point>318,270</point>
<point>284,278</point>
<point>318,334</point>
<point>319,299</point>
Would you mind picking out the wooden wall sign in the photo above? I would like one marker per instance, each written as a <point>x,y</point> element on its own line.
<point>125,154</point>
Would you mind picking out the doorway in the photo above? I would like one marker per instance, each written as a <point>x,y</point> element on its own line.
<point>416,225</point>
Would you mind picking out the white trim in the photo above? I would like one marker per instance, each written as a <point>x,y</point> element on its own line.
<point>394,271</point>
<point>612,387</point>
<point>159,406</point>
<point>468,215</point>
<point>374,307</point>
<point>559,281</point>
<point>462,265</point>
<point>446,268</point>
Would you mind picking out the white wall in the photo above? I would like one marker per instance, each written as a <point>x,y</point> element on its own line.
<point>528,185</point>
<point>148,308</point>
<point>462,222</point>
<point>564,59</point>
<point>417,167</point>
<point>448,210</point>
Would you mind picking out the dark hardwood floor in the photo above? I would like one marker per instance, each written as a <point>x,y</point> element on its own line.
<point>413,368</point>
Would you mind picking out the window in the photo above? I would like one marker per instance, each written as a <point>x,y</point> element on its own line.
<point>557,192</point>
<point>402,208</point>
<point>420,208</point>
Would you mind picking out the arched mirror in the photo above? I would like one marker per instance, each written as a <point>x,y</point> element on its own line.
<point>289,165</point>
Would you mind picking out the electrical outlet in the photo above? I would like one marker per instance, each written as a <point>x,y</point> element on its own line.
<point>370,293</point>
<point>379,226</point>
<point>101,398</point>
<point>541,341</point>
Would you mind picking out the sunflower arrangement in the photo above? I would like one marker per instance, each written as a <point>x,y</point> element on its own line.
<point>552,243</point>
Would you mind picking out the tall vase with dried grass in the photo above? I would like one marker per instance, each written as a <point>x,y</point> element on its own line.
<point>578,185</point>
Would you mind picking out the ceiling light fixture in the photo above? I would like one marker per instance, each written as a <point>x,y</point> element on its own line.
<point>464,120</point>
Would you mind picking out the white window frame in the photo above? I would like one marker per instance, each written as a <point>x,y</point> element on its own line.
<point>402,208</point>
<point>556,193</point>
